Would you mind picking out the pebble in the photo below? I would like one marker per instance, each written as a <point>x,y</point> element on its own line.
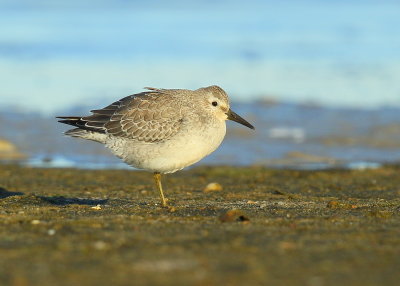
<point>100,245</point>
<point>213,187</point>
<point>233,216</point>
<point>51,232</point>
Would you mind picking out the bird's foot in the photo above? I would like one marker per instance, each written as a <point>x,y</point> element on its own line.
<point>164,203</point>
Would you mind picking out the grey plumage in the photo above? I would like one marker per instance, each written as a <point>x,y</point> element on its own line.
<point>145,117</point>
<point>161,130</point>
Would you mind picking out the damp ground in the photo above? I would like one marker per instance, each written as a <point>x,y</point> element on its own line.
<point>264,227</point>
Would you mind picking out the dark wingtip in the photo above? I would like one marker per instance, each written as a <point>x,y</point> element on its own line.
<point>70,120</point>
<point>65,121</point>
<point>69,117</point>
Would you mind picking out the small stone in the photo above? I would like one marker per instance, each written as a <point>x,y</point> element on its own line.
<point>35,222</point>
<point>51,232</point>
<point>97,207</point>
<point>233,216</point>
<point>100,245</point>
<point>332,204</point>
<point>213,187</point>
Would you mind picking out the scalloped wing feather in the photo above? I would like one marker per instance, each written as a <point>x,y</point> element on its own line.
<point>144,117</point>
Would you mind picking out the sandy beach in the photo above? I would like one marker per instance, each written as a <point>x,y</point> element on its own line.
<point>265,227</point>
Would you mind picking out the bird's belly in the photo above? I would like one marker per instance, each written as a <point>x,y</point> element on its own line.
<point>170,156</point>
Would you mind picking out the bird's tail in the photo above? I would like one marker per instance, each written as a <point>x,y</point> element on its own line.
<point>81,131</point>
<point>70,120</point>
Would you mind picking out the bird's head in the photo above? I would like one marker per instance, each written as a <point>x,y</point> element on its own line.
<point>217,103</point>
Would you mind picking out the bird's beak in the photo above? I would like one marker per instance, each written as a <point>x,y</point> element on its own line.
<point>234,117</point>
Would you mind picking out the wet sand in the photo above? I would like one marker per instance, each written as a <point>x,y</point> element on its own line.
<point>105,227</point>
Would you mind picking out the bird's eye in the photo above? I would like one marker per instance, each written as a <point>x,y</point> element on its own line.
<point>214,103</point>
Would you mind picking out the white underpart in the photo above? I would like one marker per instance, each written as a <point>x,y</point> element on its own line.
<point>94,136</point>
<point>184,149</point>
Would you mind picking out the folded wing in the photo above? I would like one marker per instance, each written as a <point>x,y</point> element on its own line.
<point>142,117</point>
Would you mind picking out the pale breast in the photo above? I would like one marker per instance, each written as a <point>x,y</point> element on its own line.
<point>194,141</point>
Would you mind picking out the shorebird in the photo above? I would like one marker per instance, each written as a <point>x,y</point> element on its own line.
<point>160,130</point>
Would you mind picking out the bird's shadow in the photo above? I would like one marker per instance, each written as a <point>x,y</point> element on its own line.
<point>63,201</point>
<point>5,193</point>
<point>56,200</point>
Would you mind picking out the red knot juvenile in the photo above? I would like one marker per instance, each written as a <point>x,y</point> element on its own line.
<point>160,130</point>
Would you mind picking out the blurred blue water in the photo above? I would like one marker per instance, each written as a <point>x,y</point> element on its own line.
<point>319,79</point>
<point>286,135</point>
<point>59,54</point>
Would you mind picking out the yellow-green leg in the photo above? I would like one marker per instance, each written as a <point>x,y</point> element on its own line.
<point>157,179</point>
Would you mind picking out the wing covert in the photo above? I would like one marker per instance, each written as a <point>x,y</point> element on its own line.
<point>147,117</point>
